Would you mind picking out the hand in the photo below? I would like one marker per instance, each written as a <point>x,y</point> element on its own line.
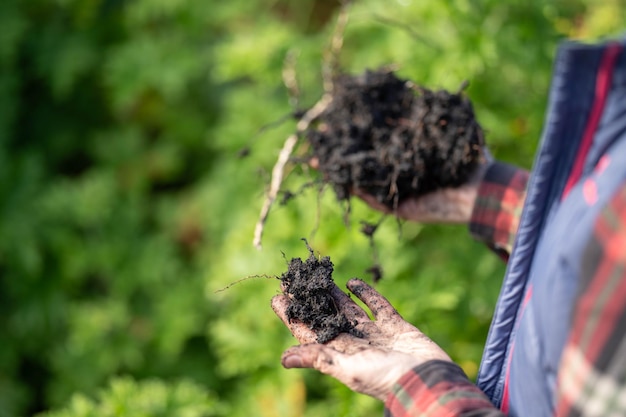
<point>371,365</point>
<point>447,205</point>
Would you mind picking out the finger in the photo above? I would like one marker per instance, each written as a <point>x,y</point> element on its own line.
<point>370,200</point>
<point>300,331</point>
<point>314,355</point>
<point>348,307</point>
<point>381,308</point>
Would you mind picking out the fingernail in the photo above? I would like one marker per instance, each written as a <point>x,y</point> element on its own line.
<point>355,285</point>
<point>292,361</point>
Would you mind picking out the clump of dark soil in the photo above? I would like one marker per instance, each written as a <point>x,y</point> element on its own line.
<point>308,285</point>
<point>394,140</point>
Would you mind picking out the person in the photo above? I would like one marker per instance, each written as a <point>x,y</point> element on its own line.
<point>557,342</point>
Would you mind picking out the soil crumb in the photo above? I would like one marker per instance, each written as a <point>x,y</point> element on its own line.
<point>393,139</point>
<point>308,284</point>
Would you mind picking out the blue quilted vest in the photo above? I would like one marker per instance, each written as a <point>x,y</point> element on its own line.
<point>581,163</point>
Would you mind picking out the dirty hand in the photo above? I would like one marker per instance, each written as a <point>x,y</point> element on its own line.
<point>371,365</point>
<point>447,205</point>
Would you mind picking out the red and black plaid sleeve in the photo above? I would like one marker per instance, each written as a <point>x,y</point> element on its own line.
<point>592,374</point>
<point>499,206</point>
<point>438,389</point>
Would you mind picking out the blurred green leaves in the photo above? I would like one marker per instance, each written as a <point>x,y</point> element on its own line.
<point>126,397</point>
<point>126,204</point>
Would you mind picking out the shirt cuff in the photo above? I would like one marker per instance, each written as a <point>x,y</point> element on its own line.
<point>436,389</point>
<point>498,207</point>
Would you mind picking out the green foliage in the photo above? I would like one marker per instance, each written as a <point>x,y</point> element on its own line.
<point>125,397</point>
<point>125,205</point>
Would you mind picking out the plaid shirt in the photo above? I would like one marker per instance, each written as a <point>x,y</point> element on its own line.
<point>592,376</point>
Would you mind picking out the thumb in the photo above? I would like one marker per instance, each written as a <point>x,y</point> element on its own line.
<point>355,374</point>
<point>314,355</point>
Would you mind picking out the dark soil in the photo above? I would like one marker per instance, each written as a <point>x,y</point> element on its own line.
<point>394,140</point>
<point>308,285</point>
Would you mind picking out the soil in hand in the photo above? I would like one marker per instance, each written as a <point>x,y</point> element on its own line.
<point>309,284</point>
<point>394,140</point>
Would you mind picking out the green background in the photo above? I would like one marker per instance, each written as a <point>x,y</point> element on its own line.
<point>125,204</point>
